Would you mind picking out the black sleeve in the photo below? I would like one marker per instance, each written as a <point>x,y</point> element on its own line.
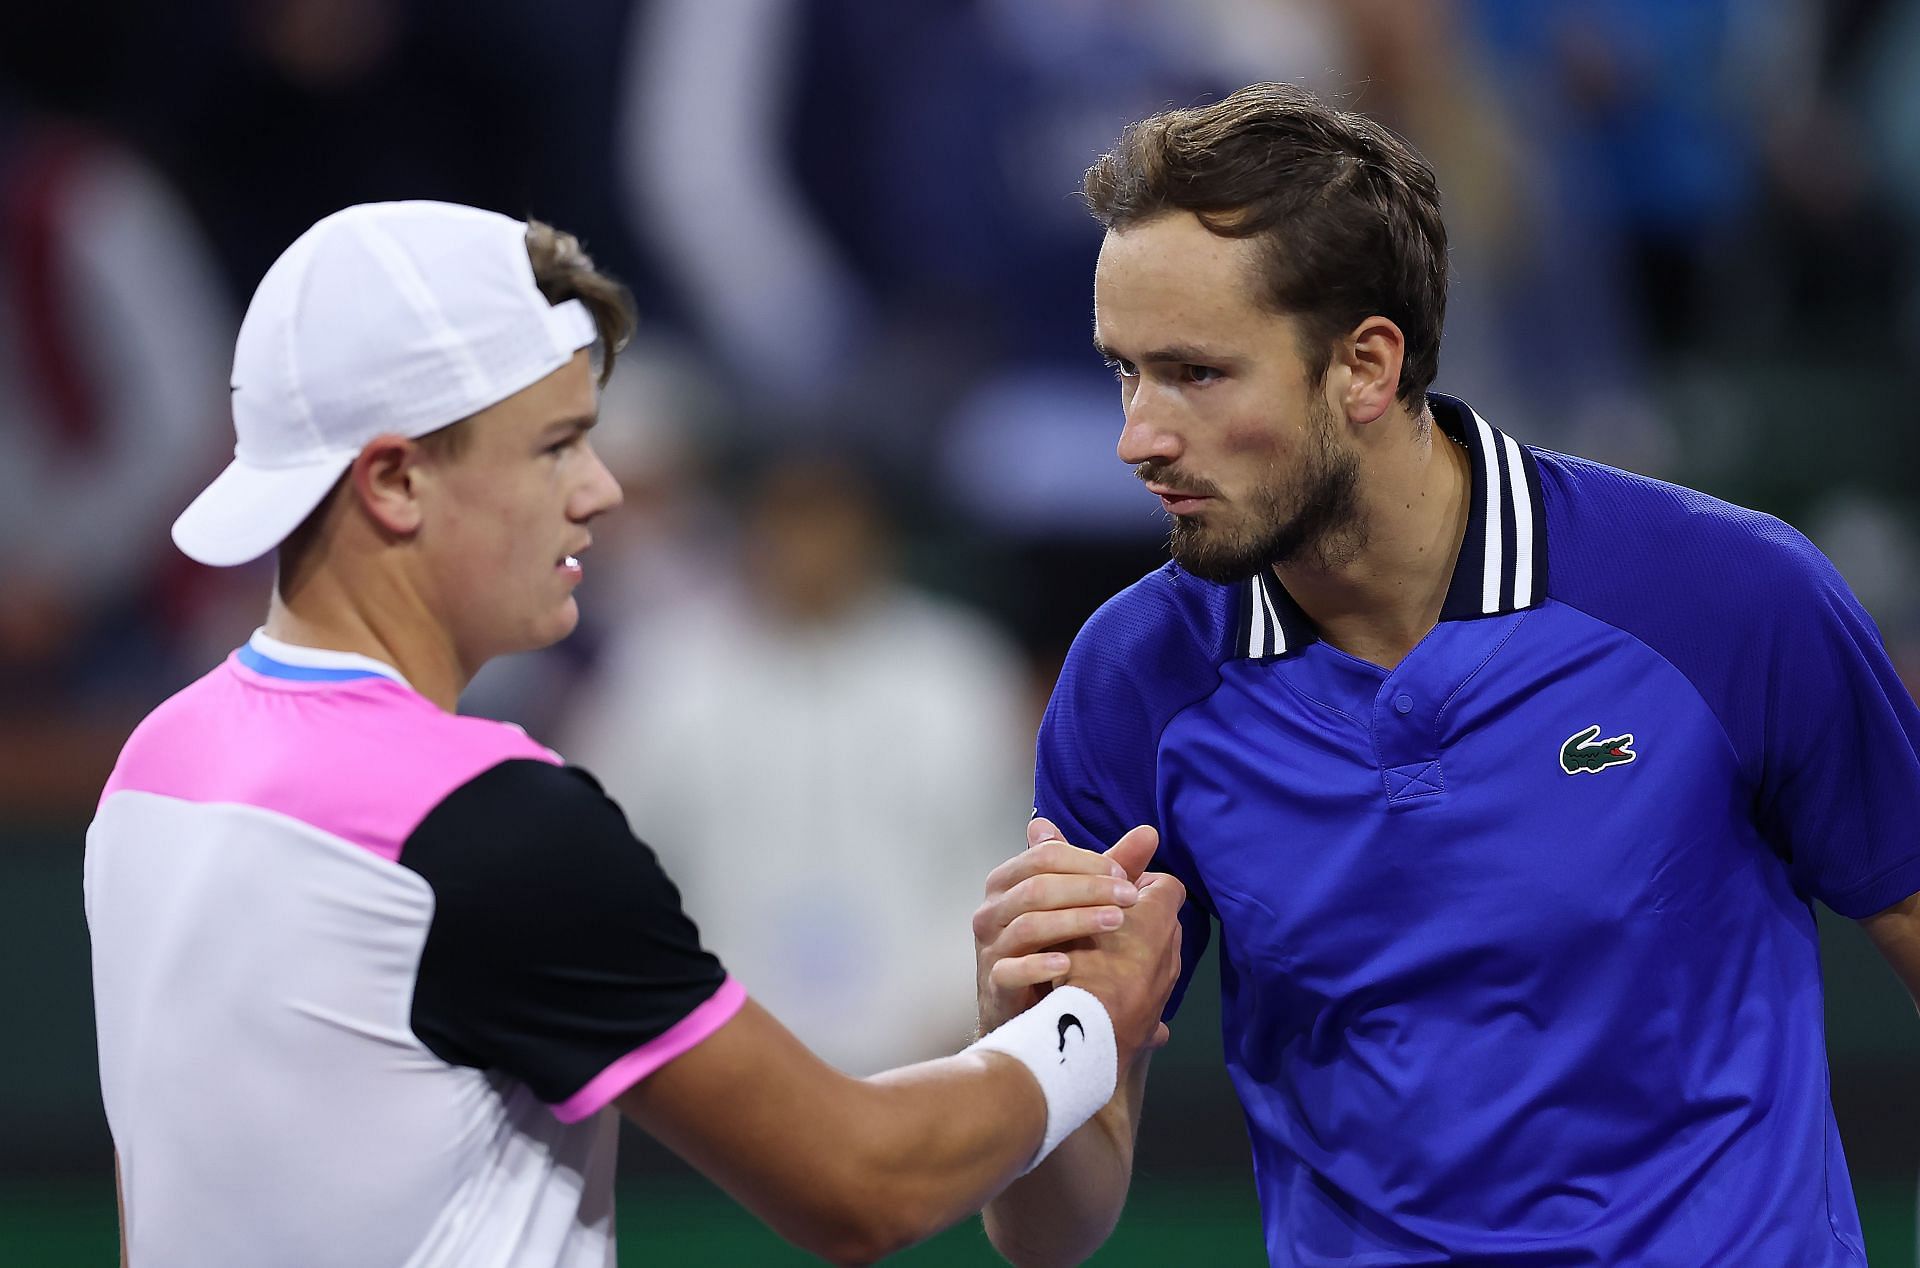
<point>558,945</point>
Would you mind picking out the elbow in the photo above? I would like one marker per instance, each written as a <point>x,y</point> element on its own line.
<point>857,1214</point>
<point>1028,1254</point>
<point>859,1232</point>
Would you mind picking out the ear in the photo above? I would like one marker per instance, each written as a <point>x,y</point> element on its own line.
<point>385,482</point>
<point>1371,355</point>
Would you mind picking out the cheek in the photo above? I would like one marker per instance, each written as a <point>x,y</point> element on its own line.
<point>1259,438</point>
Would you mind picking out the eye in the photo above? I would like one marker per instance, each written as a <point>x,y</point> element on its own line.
<point>1200,374</point>
<point>1123,369</point>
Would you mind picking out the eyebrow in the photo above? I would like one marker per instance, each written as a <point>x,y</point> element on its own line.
<point>578,422</point>
<point>1178,354</point>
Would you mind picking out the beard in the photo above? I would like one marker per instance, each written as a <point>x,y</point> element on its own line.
<point>1312,517</point>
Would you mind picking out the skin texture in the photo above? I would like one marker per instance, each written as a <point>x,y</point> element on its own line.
<point>1896,931</point>
<point>436,557</point>
<point>1219,402</point>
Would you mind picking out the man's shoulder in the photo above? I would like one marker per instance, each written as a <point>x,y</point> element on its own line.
<point>1169,615</point>
<point>1620,543</point>
<point>1149,650</point>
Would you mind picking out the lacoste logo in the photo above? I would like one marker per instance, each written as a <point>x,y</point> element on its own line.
<point>1066,1020</point>
<point>1586,752</point>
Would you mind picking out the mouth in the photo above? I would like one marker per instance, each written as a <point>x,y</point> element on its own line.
<point>570,564</point>
<point>1178,501</point>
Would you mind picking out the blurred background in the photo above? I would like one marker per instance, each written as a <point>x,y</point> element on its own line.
<point>868,453</point>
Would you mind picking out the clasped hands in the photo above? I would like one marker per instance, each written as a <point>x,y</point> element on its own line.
<point>1056,914</point>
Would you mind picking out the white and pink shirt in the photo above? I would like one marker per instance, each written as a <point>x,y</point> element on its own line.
<point>366,973</point>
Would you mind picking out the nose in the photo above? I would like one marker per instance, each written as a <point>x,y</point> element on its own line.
<point>1144,436</point>
<point>598,493</point>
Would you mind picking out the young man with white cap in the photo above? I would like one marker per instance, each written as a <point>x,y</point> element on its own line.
<point>367,973</point>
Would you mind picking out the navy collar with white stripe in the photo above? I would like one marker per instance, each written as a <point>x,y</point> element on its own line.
<point>1503,557</point>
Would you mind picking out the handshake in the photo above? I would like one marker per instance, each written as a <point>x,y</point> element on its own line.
<point>1059,915</point>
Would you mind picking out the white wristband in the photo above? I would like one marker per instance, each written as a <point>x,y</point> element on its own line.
<point>1067,1041</point>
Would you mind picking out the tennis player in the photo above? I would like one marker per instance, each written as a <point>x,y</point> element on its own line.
<point>368,974</point>
<point>1509,780</point>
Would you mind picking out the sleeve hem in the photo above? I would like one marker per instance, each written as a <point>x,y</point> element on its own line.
<point>685,1034</point>
<point>1894,886</point>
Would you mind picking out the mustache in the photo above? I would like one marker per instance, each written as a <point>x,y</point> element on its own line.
<point>1172,477</point>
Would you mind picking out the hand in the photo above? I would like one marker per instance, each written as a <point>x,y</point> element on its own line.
<point>1132,969</point>
<point>1043,903</point>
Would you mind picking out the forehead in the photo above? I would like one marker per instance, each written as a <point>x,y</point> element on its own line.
<point>567,393</point>
<point>1170,279</point>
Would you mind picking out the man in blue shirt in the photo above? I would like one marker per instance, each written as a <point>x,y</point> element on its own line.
<point>1508,778</point>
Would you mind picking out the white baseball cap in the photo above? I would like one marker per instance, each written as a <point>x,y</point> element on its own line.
<point>382,319</point>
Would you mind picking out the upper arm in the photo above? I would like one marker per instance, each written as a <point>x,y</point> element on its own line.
<point>558,952</point>
<point>1896,931</point>
<point>1839,755</point>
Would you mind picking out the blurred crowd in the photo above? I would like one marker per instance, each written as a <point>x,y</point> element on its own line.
<point>868,452</point>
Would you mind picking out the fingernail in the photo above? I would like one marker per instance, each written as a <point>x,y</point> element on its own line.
<point>1109,918</point>
<point>1116,871</point>
<point>1126,894</point>
<point>1058,963</point>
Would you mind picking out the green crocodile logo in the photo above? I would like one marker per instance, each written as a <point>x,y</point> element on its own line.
<point>1587,752</point>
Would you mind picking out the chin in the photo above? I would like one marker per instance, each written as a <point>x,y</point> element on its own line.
<point>561,624</point>
<point>1211,557</point>
<point>545,632</point>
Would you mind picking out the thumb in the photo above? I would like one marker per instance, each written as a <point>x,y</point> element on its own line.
<point>1041,830</point>
<point>1135,850</point>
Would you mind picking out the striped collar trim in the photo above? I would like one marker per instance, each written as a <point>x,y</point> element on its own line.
<point>266,655</point>
<point>1503,557</point>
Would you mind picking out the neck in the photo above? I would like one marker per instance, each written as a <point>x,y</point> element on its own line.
<point>1379,603</point>
<point>386,623</point>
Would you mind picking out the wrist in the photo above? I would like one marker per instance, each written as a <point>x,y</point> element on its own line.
<point>1066,1041</point>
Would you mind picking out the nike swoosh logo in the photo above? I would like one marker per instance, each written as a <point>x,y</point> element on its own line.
<point>1066,1020</point>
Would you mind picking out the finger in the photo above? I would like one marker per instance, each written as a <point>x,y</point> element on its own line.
<point>1160,1036</point>
<point>1038,930</point>
<point>1019,973</point>
<point>1050,891</point>
<point>1050,857</point>
<point>1160,892</point>
<point>1135,850</point>
<point>1041,829</point>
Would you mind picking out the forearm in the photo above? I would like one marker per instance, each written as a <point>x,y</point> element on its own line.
<point>849,1169</point>
<point>1067,1207</point>
<point>120,1206</point>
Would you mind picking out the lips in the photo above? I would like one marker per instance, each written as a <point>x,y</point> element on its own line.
<point>1178,501</point>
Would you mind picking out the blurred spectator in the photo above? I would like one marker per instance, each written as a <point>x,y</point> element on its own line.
<point>273,113</point>
<point>828,761</point>
<point>114,344</point>
<point>1892,108</point>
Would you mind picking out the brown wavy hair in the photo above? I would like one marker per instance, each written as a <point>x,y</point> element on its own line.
<point>1347,214</point>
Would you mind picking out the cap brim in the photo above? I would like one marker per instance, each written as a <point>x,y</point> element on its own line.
<point>247,511</point>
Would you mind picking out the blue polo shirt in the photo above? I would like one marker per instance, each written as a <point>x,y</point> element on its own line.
<point>1517,948</point>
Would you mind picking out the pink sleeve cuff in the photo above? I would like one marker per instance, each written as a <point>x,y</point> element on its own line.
<point>604,1087</point>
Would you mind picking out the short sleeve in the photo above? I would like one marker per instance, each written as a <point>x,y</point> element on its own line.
<point>1840,779</point>
<point>558,951</point>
